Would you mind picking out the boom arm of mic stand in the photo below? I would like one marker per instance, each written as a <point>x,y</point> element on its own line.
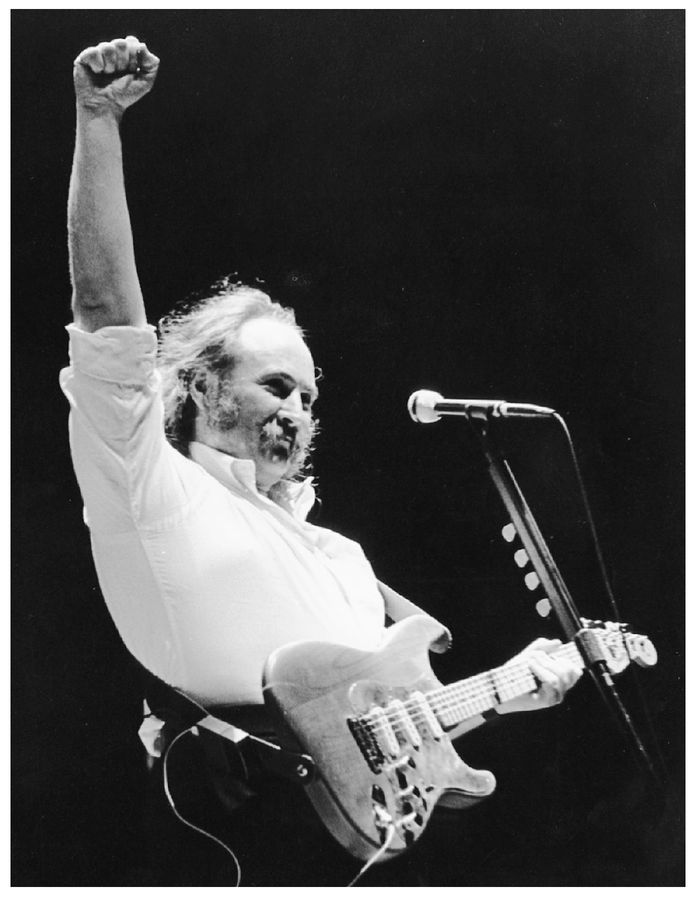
<point>554,585</point>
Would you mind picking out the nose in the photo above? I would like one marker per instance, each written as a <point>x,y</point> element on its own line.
<point>292,405</point>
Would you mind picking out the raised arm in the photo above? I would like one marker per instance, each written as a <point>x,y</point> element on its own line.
<point>108,79</point>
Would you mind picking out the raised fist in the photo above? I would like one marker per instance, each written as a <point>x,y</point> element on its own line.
<point>114,74</point>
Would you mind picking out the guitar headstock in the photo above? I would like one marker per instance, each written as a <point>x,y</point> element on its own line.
<point>615,645</point>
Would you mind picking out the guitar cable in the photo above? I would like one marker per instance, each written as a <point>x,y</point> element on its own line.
<point>390,827</point>
<point>390,834</point>
<point>168,794</point>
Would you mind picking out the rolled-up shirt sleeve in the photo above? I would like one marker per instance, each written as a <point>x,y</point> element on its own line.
<point>128,474</point>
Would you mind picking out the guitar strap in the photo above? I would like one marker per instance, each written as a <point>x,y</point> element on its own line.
<point>234,756</point>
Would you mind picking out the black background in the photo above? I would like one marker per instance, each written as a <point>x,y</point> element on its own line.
<point>488,203</point>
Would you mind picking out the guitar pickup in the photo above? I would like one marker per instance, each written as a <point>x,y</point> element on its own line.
<point>425,716</point>
<point>402,724</point>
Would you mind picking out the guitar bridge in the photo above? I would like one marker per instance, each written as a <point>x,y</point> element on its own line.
<point>366,740</point>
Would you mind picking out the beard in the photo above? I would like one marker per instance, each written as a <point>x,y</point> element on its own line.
<point>272,438</point>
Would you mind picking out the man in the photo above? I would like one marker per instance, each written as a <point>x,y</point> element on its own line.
<point>189,457</point>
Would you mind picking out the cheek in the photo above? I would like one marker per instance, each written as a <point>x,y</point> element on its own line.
<point>224,407</point>
<point>232,407</point>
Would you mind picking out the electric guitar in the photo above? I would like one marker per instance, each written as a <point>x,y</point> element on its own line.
<point>378,725</point>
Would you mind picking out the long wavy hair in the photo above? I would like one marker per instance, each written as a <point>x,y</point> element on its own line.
<point>199,338</point>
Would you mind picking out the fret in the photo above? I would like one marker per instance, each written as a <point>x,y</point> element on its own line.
<point>455,703</point>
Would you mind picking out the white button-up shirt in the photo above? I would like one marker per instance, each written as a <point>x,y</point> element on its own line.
<point>203,575</point>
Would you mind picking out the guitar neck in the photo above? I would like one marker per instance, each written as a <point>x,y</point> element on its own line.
<point>462,700</point>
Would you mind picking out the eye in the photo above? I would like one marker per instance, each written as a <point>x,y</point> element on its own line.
<point>307,400</point>
<point>276,386</point>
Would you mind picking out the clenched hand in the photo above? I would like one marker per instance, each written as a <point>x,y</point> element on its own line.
<point>113,75</point>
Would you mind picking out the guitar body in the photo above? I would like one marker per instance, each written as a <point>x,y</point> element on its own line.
<point>371,785</point>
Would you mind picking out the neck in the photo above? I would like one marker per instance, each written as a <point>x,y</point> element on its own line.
<point>462,700</point>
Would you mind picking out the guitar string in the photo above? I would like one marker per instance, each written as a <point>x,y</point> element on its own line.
<point>483,689</point>
<point>477,693</point>
<point>482,686</point>
<point>168,793</point>
<point>500,679</point>
<point>441,704</point>
<point>478,690</point>
<point>505,677</point>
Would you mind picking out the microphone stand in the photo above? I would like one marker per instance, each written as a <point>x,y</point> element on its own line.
<point>553,583</point>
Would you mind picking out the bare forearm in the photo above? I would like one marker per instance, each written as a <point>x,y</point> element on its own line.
<point>108,79</point>
<point>102,261</point>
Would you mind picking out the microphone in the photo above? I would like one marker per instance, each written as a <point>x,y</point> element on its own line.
<point>426,407</point>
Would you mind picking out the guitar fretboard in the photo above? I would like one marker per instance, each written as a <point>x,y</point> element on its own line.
<point>462,700</point>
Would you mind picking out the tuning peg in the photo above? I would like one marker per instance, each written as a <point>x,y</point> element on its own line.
<point>509,532</point>
<point>532,581</point>
<point>641,650</point>
<point>521,557</point>
<point>543,607</point>
<point>595,624</point>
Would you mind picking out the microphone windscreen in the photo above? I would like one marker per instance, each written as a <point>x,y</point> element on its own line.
<point>421,406</point>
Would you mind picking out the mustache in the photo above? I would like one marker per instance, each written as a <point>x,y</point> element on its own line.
<point>284,438</point>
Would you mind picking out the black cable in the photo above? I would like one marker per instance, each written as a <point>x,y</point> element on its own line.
<point>590,519</point>
<point>609,591</point>
<point>201,831</point>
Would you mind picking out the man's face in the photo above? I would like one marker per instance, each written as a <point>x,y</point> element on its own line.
<point>262,409</point>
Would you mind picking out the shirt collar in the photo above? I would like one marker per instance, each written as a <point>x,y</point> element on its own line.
<point>239,474</point>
